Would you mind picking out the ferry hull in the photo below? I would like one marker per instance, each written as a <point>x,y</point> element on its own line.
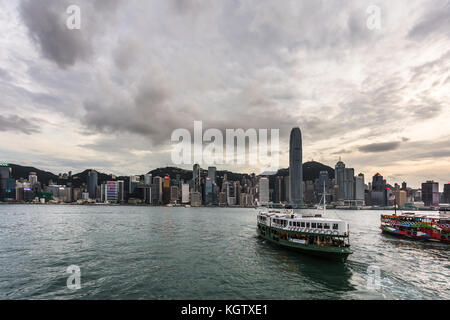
<point>330,253</point>
<point>402,234</point>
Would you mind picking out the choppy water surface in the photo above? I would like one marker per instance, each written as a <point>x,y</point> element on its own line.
<point>201,253</point>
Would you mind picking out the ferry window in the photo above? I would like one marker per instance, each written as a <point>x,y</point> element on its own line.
<point>313,225</point>
<point>326,226</point>
<point>319,226</point>
<point>290,223</point>
<point>335,226</point>
<point>307,224</point>
<point>303,224</point>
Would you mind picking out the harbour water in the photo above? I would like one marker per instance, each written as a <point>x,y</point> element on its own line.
<point>127,252</point>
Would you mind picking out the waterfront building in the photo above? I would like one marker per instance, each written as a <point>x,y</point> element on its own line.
<point>447,193</point>
<point>222,198</point>
<point>243,199</point>
<point>212,173</point>
<point>296,166</point>
<point>263,191</point>
<point>209,185</point>
<point>166,190</point>
<point>121,191</point>
<point>278,189</point>
<point>430,194</point>
<point>196,177</point>
<point>286,197</point>
<point>7,184</point>
<point>196,199</point>
<point>231,193</point>
<point>208,191</point>
<point>238,191</point>
<point>339,173</point>
<point>148,179</point>
<point>400,197</point>
<point>360,189</point>
<point>157,190</point>
<point>92,184</point>
<point>146,193</point>
<point>32,178</point>
<point>349,184</point>
<point>76,194</point>
<point>133,183</point>
<point>310,195</point>
<point>65,194</point>
<point>174,194</point>
<point>109,192</point>
<point>23,191</point>
<point>185,193</point>
<point>379,194</point>
<point>378,183</point>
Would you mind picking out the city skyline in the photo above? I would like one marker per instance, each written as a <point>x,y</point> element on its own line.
<point>105,97</point>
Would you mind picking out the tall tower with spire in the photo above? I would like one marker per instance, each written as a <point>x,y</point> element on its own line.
<point>296,167</point>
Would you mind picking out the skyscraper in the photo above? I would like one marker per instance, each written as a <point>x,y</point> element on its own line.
<point>7,184</point>
<point>166,190</point>
<point>447,193</point>
<point>264,190</point>
<point>296,167</point>
<point>339,172</point>
<point>196,178</point>
<point>359,188</point>
<point>32,178</point>
<point>92,184</point>
<point>430,194</point>
<point>349,184</point>
<point>185,193</point>
<point>133,183</point>
<point>148,179</point>
<point>379,194</point>
<point>209,187</point>
<point>278,190</point>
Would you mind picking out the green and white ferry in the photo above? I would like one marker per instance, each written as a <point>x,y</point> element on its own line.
<point>307,233</point>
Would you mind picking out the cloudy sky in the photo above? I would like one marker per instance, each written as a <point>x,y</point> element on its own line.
<point>109,95</point>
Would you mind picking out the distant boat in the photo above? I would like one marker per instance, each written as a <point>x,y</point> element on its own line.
<point>417,226</point>
<point>187,206</point>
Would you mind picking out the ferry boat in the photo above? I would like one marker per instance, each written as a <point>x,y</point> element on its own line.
<point>306,233</point>
<point>417,226</point>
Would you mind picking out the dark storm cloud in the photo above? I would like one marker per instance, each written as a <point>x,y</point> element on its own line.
<point>147,112</point>
<point>46,26</point>
<point>18,124</point>
<point>380,147</point>
<point>46,23</point>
